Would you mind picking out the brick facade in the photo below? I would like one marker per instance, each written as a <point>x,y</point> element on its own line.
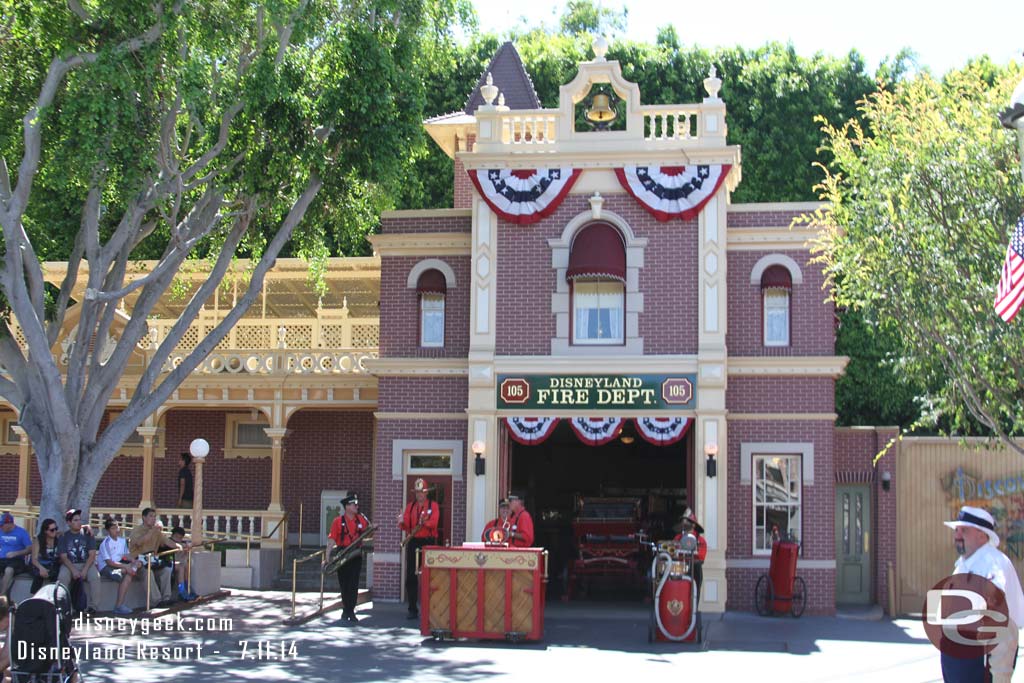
<point>400,319</point>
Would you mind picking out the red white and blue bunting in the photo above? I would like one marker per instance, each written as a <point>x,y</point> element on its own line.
<point>662,431</point>
<point>673,191</point>
<point>596,431</point>
<point>530,431</point>
<point>524,196</point>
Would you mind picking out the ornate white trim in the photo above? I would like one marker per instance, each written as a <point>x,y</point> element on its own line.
<point>787,366</point>
<point>769,260</point>
<point>418,367</point>
<point>399,448</point>
<point>430,264</point>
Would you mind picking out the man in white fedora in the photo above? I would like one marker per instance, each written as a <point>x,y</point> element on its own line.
<point>974,533</point>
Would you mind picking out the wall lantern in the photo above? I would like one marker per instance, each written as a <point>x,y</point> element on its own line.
<point>886,480</point>
<point>711,465</point>
<point>479,466</point>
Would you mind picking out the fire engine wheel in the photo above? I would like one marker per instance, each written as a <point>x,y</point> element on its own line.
<point>796,608</point>
<point>763,596</point>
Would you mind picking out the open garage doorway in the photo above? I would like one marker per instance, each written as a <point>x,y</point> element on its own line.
<point>596,506</point>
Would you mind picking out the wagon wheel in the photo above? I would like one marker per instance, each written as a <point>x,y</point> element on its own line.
<point>796,607</point>
<point>763,596</point>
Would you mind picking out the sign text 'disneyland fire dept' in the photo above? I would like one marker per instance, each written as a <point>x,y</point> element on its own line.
<point>604,392</point>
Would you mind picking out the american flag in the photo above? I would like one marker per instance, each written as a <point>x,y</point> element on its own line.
<point>1010,293</point>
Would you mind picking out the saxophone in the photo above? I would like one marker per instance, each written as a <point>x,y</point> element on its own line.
<point>343,555</point>
<point>424,516</point>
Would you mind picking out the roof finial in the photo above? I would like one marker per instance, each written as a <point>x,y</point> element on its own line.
<point>489,91</point>
<point>501,99</point>
<point>713,83</point>
<point>600,47</point>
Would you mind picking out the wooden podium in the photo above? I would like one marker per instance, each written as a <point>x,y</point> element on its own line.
<point>483,592</point>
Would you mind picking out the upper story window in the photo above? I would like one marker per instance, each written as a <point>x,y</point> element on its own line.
<point>776,287</point>
<point>597,272</point>
<point>432,288</point>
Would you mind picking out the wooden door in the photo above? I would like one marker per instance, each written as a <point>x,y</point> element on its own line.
<point>853,547</point>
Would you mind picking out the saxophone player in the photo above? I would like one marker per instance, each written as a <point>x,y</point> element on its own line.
<point>420,521</point>
<point>345,529</point>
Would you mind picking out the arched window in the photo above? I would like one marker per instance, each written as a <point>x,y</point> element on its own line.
<point>432,288</point>
<point>597,275</point>
<point>776,287</point>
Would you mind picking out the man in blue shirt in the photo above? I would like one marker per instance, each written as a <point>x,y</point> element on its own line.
<point>15,545</point>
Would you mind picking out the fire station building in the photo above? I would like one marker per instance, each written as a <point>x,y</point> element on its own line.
<point>594,323</point>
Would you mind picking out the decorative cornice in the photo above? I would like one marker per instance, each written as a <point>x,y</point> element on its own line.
<point>422,244</point>
<point>577,365</point>
<point>418,367</point>
<point>625,153</point>
<point>782,366</point>
<point>830,417</point>
<point>425,213</point>
<point>420,416</point>
<point>777,206</point>
<point>761,239</point>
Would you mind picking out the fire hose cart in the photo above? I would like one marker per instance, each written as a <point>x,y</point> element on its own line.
<point>675,618</point>
<point>781,590</point>
<point>486,592</point>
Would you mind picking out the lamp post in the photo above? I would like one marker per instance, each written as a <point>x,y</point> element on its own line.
<point>199,448</point>
<point>1013,118</point>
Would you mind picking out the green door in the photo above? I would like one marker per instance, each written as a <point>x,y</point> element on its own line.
<point>853,547</point>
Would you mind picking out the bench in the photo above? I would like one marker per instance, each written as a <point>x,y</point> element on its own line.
<point>136,597</point>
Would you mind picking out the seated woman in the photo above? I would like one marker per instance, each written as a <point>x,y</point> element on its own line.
<point>45,566</point>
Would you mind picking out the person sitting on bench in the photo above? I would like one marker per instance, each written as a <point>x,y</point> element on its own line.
<point>116,564</point>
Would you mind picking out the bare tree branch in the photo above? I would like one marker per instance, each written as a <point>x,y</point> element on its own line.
<point>146,401</point>
<point>79,11</point>
<point>64,297</point>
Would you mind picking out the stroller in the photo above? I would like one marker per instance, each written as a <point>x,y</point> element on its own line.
<point>39,630</point>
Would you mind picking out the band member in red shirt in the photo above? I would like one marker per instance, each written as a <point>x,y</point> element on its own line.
<point>499,522</point>
<point>690,526</point>
<point>420,520</point>
<point>521,524</point>
<point>345,529</point>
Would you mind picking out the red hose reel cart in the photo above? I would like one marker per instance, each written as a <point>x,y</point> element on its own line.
<point>781,590</point>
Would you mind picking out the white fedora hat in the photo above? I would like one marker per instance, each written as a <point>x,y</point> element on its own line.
<point>979,519</point>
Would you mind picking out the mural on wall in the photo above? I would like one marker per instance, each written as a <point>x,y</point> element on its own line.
<point>1003,497</point>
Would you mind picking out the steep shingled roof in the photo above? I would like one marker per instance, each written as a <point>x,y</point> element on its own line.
<point>511,78</point>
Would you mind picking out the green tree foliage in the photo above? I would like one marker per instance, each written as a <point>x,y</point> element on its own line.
<point>175,129</point>
<point>923,197</point>
<point>583,16</point>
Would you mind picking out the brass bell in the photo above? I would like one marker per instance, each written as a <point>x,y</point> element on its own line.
<point>601,112</point>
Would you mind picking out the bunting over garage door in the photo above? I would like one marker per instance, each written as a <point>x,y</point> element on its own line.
<point>673,191</point>
<point>524,196</point>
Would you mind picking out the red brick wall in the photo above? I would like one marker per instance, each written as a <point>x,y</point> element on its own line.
<point>812,327</point>
<point>235,483</point>
<point>400,310</point>
<point>389,493</point>
<point>423,394</point>
<point>464,190</point>
<point>330,450</point>
<point>526,279</point>
<point>780,394</point>
<point>9,485</point>
<point>817,509</point>
<point>761,219</point>
<point>818,539</point>
<point>401,224</point>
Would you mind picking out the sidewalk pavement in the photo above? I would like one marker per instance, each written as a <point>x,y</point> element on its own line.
<point>243,638</point>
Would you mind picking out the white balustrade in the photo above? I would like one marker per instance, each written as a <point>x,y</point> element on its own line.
<point>670,123</point>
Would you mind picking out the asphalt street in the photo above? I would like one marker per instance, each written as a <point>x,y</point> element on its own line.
<point>243,637</point>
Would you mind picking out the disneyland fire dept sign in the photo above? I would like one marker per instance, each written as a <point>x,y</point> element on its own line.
<point>639,392</point>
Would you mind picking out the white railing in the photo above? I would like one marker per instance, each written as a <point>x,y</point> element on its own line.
<point>322,332</point>
<point>671,122</point>
<point>262,362</point>
<point>530,127</point>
